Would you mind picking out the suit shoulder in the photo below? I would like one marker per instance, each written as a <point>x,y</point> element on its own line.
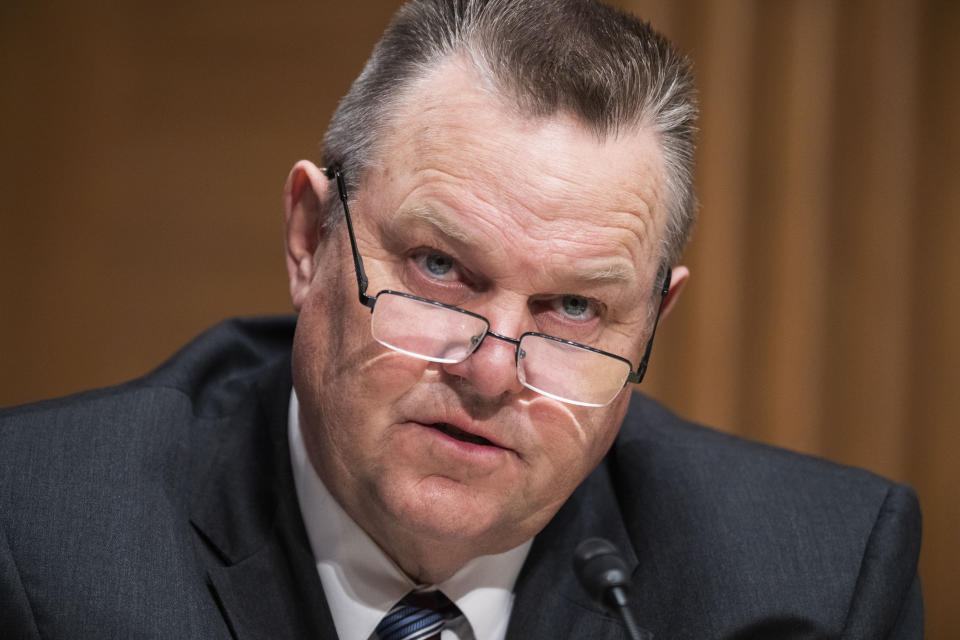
<point>706,480</point>
<point>217,377</point>
<point>234,349</point>
<point>217,361</point>
<point>651,427</point>
<point>749,522</point>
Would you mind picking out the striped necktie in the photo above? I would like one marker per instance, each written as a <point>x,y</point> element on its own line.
<point>419,616</point>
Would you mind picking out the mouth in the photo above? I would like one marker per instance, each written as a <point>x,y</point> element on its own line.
<point>459,434</point>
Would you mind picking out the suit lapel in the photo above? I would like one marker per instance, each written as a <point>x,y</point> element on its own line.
<point>274,593</point>
<point>550,603</point>
<point>260,567</point>
<point>261,570</point>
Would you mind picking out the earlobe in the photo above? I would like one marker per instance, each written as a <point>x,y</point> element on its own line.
<point>304,195</point>
<point>678,280</point>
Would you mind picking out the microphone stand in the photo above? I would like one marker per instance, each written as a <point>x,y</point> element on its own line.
<point>603,574</point>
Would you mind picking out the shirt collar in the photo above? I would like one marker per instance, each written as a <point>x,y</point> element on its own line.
<point>362,583</point>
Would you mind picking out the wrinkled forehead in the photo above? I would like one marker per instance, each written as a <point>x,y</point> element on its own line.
<point>455,121</point>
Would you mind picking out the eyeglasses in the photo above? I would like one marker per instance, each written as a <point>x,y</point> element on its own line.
<point>436,332</point>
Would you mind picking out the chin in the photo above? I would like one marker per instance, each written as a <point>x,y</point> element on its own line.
<point>448,511</point>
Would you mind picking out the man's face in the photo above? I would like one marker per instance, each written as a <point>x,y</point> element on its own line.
<point>537,225</point>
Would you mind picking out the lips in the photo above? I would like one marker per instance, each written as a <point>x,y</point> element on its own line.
<point>459,434</point>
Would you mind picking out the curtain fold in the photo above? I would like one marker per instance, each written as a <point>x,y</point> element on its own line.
<point>824,302</point>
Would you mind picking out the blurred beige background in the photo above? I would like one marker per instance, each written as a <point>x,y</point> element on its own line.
<point>143,148</point>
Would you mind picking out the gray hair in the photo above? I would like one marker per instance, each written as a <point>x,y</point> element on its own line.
<point>601,65</point>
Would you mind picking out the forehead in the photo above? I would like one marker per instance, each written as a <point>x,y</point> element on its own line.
<point>457,143</point>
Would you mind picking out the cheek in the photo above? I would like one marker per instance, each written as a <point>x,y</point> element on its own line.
<point>333,346</point>
<point>348,386</point>
<point>372,380</point>
<point>571,440</point>
<point>337,366</point>
<point>342,371</point>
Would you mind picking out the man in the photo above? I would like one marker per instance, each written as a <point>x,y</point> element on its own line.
<point>478,270</point>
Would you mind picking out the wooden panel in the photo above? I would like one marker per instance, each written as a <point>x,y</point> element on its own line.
<point>871,268</point>
<point>145,150</point>
<point>930,436</point>
<point>789,220</point>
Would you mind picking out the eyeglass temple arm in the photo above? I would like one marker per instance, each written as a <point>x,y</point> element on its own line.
<point>637,377</point>
<point>335,173</point>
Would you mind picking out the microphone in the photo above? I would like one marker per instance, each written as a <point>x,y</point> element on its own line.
<point>603,574</point>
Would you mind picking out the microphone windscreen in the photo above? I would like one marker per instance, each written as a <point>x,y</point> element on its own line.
<point>599,567</point>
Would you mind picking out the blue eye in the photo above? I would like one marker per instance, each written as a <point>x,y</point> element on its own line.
<point>575,307</point>
<point>438,264</point>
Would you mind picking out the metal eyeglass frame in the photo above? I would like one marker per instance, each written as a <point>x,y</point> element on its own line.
<point>635,377</point>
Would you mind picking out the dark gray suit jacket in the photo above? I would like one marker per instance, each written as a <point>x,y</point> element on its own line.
<point>165,508</point>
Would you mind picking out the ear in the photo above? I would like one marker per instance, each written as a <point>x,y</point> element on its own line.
<point>306,189</point>
<point>678,280</point>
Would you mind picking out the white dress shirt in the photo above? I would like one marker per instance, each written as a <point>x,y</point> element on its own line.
<point>361,583</point>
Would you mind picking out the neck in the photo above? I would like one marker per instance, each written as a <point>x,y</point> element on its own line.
<point>428,560</point>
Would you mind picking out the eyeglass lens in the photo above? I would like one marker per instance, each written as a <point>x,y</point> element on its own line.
<point>568,372</point>
<point>425,330</point>
<point>441,334</point>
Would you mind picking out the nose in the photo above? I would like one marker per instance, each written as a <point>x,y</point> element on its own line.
<point>491,370</point>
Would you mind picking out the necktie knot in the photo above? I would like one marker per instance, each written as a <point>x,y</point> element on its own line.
<point>420,615</point>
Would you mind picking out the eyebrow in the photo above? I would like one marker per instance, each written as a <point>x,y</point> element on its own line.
<point>615,273</point>
<point>611,273</point>
<point>435,219</point>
